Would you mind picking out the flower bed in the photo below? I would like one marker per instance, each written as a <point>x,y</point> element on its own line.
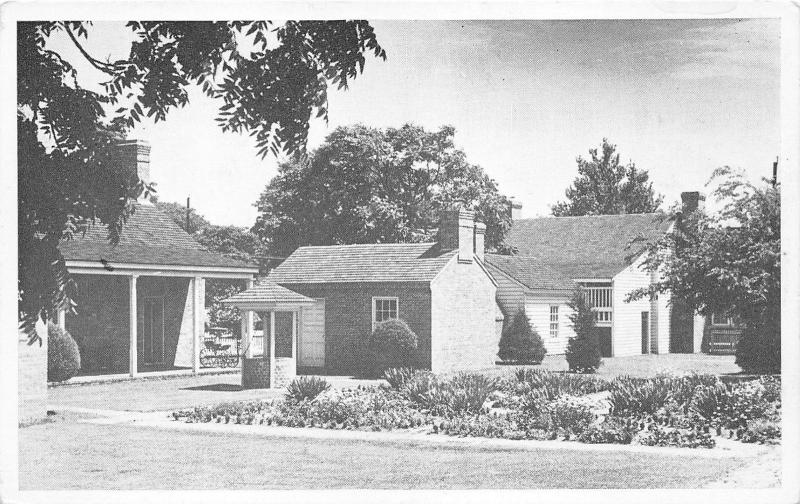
<point>683,411</point>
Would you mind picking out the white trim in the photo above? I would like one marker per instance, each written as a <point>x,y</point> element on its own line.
<point>133,357</point>
<point>595,280</point>
<point>384,298</point>
<point>156,269</point>
<point>557,322</point>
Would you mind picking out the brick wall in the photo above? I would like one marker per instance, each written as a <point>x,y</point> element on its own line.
<point>348,318</point>
<point>463,308</point>
<point>32,376</point>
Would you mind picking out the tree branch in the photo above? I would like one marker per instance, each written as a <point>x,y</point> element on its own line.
<point>103,67</point>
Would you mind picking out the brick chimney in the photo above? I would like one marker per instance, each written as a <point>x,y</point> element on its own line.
<point>457,232</point>
<point>693,200</point>
<point>479,242</point>
<point>133,159</point>
<point>516,210</point>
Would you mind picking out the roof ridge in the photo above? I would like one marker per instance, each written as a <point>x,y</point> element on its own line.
<point>366,245</point>
<point>585,216</point>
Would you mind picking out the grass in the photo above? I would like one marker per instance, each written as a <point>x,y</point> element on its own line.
<point>70,455</point>
<point>644,366</point>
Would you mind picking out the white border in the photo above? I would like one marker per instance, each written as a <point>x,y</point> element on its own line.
<point>790,131</point>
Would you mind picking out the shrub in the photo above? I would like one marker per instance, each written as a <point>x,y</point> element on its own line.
<point>657,435</point>
<point>520,342</point>
<point>583,350</point>
<point>759,348</point>
<point>561,383</point>
<point>306,387</point>
<point>63,354</point>
<point>463,393</point>
<point>392,344</point>
<point>762,431</point>
<point>467,392</point>
<point>611,431</point>
<point>570,415</point>
<point>398,377</point>
<point>639,396</point>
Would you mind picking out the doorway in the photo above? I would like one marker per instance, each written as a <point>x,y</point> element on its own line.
<point>645,333</point>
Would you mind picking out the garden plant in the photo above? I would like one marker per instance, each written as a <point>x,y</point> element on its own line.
<point>691,411</point>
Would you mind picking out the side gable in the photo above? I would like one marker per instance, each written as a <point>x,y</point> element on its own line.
<point>592,246</point>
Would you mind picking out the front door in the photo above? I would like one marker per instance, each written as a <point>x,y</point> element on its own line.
<point>312,336</point>
<point>151,331</point>
<point>645,332</point>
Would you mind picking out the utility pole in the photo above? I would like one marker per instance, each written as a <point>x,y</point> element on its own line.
<point>188,210</point>
<point>775,172</point>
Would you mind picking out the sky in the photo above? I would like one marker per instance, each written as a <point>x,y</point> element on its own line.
<point>678,97</point>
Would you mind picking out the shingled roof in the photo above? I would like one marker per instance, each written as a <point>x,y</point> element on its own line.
<point>530,272</point>
<point>266,292</point>
<point>592,246</point>
<point>148,237</point>
<point>383,262</point>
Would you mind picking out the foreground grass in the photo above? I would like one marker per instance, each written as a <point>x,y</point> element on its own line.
<point>70,455</point>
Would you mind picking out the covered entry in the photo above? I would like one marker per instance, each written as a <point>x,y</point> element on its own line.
<point>273,363</point>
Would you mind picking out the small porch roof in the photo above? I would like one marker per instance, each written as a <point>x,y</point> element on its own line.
<point>267,295</point>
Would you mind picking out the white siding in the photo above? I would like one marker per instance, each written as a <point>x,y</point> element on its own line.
<point>538,312</point>
<point>626,325</point>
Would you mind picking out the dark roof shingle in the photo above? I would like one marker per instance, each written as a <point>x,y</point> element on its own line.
<point>530,272</point>
<point>383,262</point>
<point>268,293</point>
<point>591,246</point>
<point>148,237</point>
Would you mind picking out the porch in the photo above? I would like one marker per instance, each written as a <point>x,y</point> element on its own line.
<point>144,320</point>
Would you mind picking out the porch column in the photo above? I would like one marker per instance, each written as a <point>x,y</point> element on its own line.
<point>198,305</point>
<point>272,347</point>
<point>294,336</point>
<point>62,318</point>
<point>247,333</point>
<point>133,358</point>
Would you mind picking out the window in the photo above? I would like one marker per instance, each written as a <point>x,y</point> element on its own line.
<point>720,319</point>
<point>599,296</point>
<point>554,321</point>
<point>383,308</point>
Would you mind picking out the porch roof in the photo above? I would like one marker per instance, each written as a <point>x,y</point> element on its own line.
<point>149,239</point>
<point>268,295</point>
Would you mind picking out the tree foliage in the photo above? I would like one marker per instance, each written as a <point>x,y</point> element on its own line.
<point>367,185</point>
<point>520,342</point>
<point>270,80</point>
<point>583,350</point>
<point>605,187</point>
<point>729,263</point>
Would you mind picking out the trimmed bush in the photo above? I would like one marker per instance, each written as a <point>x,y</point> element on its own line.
<point>520,342</point>
<point>759,348</point>
<point>392,344</point>
<point>306,387</point>
<point>63,354</point>
<point>583,350</point>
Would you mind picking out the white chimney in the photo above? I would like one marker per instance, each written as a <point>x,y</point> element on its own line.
<point>457,231</point>
<point>480,240</point>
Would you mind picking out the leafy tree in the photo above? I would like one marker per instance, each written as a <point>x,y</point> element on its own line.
<point>367,185</point>
<point>269,79</point>
<point>520,342</point>
<point>729,262</point>
<point>583,349</point>
<point>604,187</point>
<point>177,212</point>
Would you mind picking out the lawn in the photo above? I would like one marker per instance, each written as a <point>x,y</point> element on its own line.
<point>643,365</point>
<point>66,454</point>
